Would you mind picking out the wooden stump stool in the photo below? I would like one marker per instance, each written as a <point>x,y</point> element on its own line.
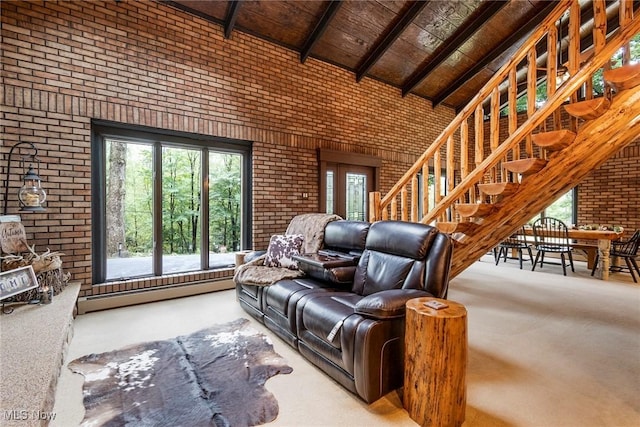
<point>435,361</point>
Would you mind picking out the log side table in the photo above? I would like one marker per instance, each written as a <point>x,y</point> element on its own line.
<point>435,362</point>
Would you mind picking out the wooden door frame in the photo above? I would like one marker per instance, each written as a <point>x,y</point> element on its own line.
<point>326,157</point>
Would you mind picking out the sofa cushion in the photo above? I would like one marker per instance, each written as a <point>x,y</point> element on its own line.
<point>394,257</point>
<point>405,239</point>
<point>346,236</point>
<point>280,301</point>
<point>282,249</point>
<point>378,271</point>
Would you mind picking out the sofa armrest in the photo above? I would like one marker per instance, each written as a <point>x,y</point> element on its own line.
<point>340,275</point>
<point>387,304</point>
<point>254,255</point>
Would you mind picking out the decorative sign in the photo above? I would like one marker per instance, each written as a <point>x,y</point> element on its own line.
<point>13,239</point>
<point>16,281</point>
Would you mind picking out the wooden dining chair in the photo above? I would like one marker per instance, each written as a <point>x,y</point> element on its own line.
<point>627,250</point>
<point>516,241</point>
<point>552,235</point>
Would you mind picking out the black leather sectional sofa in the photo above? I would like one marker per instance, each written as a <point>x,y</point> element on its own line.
<point>346,314</point>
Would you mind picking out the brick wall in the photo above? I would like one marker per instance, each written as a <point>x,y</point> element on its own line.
<point>611,194</point>
<point>65,63</point>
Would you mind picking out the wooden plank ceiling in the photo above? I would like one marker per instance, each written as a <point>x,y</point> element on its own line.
<point>441,50</point>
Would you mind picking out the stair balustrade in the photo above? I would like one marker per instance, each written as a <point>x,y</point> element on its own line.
<point>485,198</point>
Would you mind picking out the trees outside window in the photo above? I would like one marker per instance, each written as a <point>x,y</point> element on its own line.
<point>129,206</point>
<point>225,203</point>
<point>563,208</point>
<point>181,193</point>
<point>168,204</point>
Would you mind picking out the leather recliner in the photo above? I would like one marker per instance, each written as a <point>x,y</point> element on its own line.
<point>346,314</point>
<point>357,336</point>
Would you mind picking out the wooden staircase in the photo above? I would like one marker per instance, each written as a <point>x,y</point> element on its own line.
<point>618,126</point>
<point>539,160</point>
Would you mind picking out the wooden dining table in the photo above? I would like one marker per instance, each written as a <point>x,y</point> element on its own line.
<point>603,238</point>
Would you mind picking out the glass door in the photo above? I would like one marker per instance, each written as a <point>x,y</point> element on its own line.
<point>346,190</point>
<point>356,196</point>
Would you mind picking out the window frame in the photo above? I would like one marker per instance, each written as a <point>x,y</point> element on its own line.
<point>102,130</point>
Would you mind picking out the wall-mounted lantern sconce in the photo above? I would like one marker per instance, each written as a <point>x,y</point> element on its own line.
<point>31,193</point>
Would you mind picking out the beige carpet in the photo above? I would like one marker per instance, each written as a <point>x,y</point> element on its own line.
<point>544,350</point>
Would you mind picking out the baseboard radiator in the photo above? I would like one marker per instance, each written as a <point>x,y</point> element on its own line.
<point>142,296</point>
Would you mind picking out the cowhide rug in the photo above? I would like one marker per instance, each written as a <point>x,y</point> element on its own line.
<point>213,377</point>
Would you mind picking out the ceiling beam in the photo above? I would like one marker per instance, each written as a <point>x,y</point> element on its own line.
<point>320,28</point>
<point>392,34</point>
<point>192,11</point>
<point>230,19</point>
<point>452,44</point>
<point>495,53</point>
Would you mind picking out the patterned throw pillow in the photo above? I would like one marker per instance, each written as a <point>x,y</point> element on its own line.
<point>281,250</point>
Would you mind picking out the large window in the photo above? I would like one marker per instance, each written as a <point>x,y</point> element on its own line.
<point>565,208</point>
<point>166,203</point>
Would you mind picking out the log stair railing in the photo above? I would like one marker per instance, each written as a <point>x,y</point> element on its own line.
<point>502,181</point>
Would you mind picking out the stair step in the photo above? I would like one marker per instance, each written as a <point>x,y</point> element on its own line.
<point>499,188</point>
<point>589,109</point>
<point>476,210</point>
<point>465,227</point>
<point>623,78</point>
<point>555,140</point>
<point>525,166</point>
